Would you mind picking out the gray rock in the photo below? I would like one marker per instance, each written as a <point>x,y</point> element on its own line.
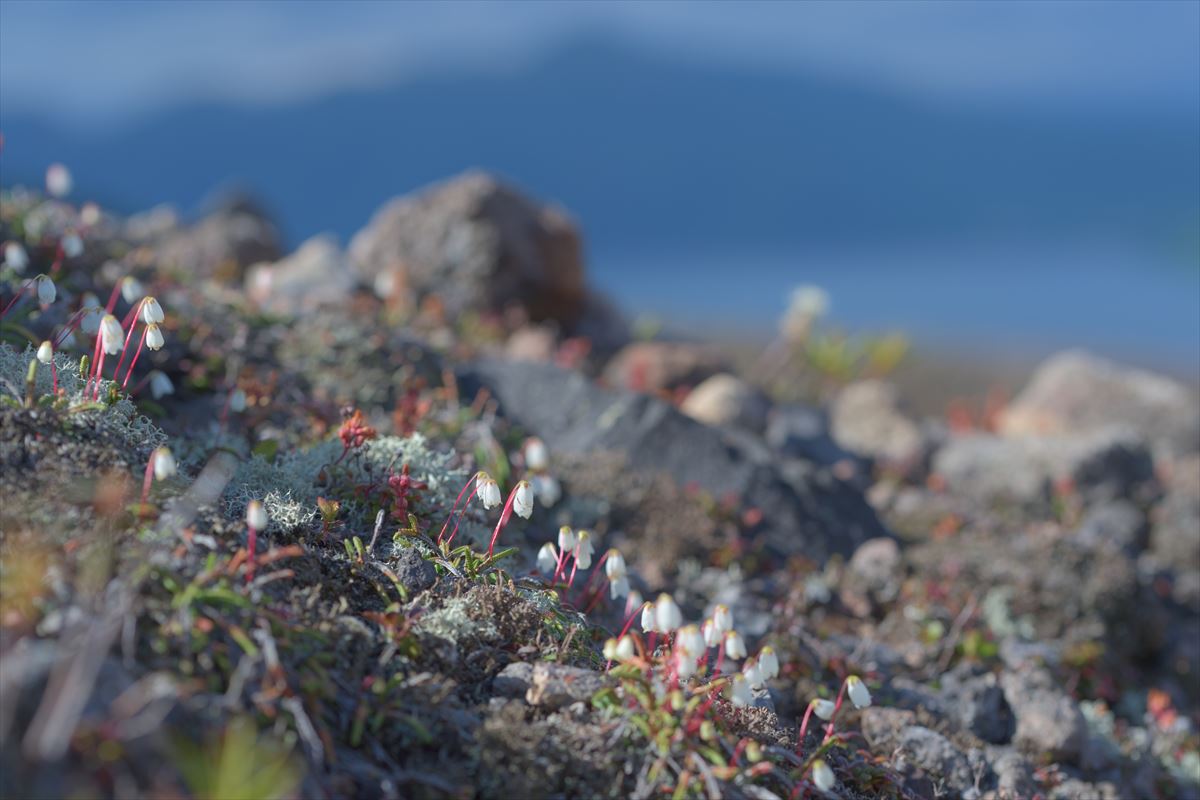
<point>804,509</point>
<point>531,343</point>
<point>934,753</point>
<point>1101,466</point>
<point>1014,773</point>
<point>1074,392</point>
<point>980,706</point>
<point>514,680</point>
<point>554,686</point>
<point>316,274</point>
<point>224,243</point>
<point>415,573</point>
<point>1175,539</point>
<point>802,433</point>
<point>875,572</point>
<point>867,419</point>
<point>725,399</point>
<point>1118,524</point>
<point>1048,721</point>
<point>480,246</point>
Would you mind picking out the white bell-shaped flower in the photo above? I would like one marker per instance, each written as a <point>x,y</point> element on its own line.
<point>739,690</point>
<point>523,500</point>
<point>690,641</point>
<point>618,587</point>
<point>711,637</point>
<point>566,539</point>
<point>45,352</point>
<point>614,564</point>
<point>823,776</point>
<point>752,672</point>
<point>152,312</point>
<point>16,257</point>
<point>131,289</point>
<point>72,245</point>
<point>768,662</point>
<point>625,649</point>
<point>160,385</point>
<point>256,515</point>
<point>488,490</point>
<point>685,665</point>
<point>45,290</point>
<point>546,488</point>
<point>722,618</point>
<point>237,401</point>
<point>649,618</point>
<point>667,616</point>
<point>735,645</point>
<point>164,464</point>
<point>547,558</point>
<point>58,180</point>
<point>537,457</point>
<point>154,337</point>
<point>824,708</point>
<point>584,550</point>
<point>858,692</point>
<point>112,336</point>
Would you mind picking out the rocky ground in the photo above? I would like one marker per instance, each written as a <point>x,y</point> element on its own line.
<point>1016,583</point>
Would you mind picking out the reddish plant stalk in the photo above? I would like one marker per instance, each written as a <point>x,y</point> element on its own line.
<point>87,387</point>
<point>129,337</point>
<point>146,481</point>
<point>132,363</point>
<point>808,712</point>
<point>505,515</point>
<point>20,293</point>
<point>70,327</point>
<point>112,299</point>
<point>841,697</point>
<point>461,513</point>
<point>251,546</point>
<point>450,516</point>
<point>720,656</point>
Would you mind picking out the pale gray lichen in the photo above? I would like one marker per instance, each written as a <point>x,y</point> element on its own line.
<point>122,418</point>
<point>288,484</point>
<point>453,622</point>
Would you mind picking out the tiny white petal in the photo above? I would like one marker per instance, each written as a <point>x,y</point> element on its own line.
<point>711,637</point>
<point>566,539</point>
<point>584,550</point>
<point>753,674</point>
<point>160,385</point>
<point>131,289</point>
<point>722,619</point>
<point>667,615</point>
<point>112,336</point>
<point>739,690</point>
<point>72,245</point>
<point>690,641</point>
<point>45,352</point>
<point>649,623</point>
<point>154,337</point>
<point>547,489</point>
<point>537,458</point>
<point>625,649</point>
<point>735,645</point>
<point>618,587</point>
<point>768,662</point>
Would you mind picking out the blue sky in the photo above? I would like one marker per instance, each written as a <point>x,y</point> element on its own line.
<point>109,62</point>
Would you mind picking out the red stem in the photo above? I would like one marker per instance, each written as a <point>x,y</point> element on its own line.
<point>504,517</point>
<point>129,315</point>
<point>99,374</point>
<point>251,546</point>
<point>833,717</point>
<point>450,516</point>
<point>72,325</point>
<point>128,338</point>
<point>461,513</point>
<point>149,476</point>
<point>95,360</point>
<point>112,299</point>
<point>720,656</point>
<point>132,363</point>
<point>20,293</point>
<point>808,712</point>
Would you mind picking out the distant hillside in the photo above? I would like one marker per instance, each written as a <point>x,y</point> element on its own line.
<point>653,152</point>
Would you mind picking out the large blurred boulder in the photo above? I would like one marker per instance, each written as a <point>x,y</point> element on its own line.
<point>479,246</point>
<point>867,418</point>
<point>316,274</point>
<point>657,366</point>
<point>725,399</point>
<point>223,243</point>
<point>804,509</point>
<point>1075,392</point>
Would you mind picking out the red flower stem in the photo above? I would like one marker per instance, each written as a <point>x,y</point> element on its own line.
<point>461,513</point>
<point>112,298</point>
<point>720,656</point>
<point>808,712</point>
<point>95,360</point>
<point>650,644</point>
<point>473,479</point>
<point>833,717</point>
<point>574,569</point>
<point>59,254</point>
<point>251,546</point>
<point>72,325</point>
<point>505,515</point>
<point>20,293</point>
<point>132,313</point>
<point>128,338</point>
<point>149,476</point>
<point>737,751</point>
<point>99,374</point>
<point>133,363</point>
